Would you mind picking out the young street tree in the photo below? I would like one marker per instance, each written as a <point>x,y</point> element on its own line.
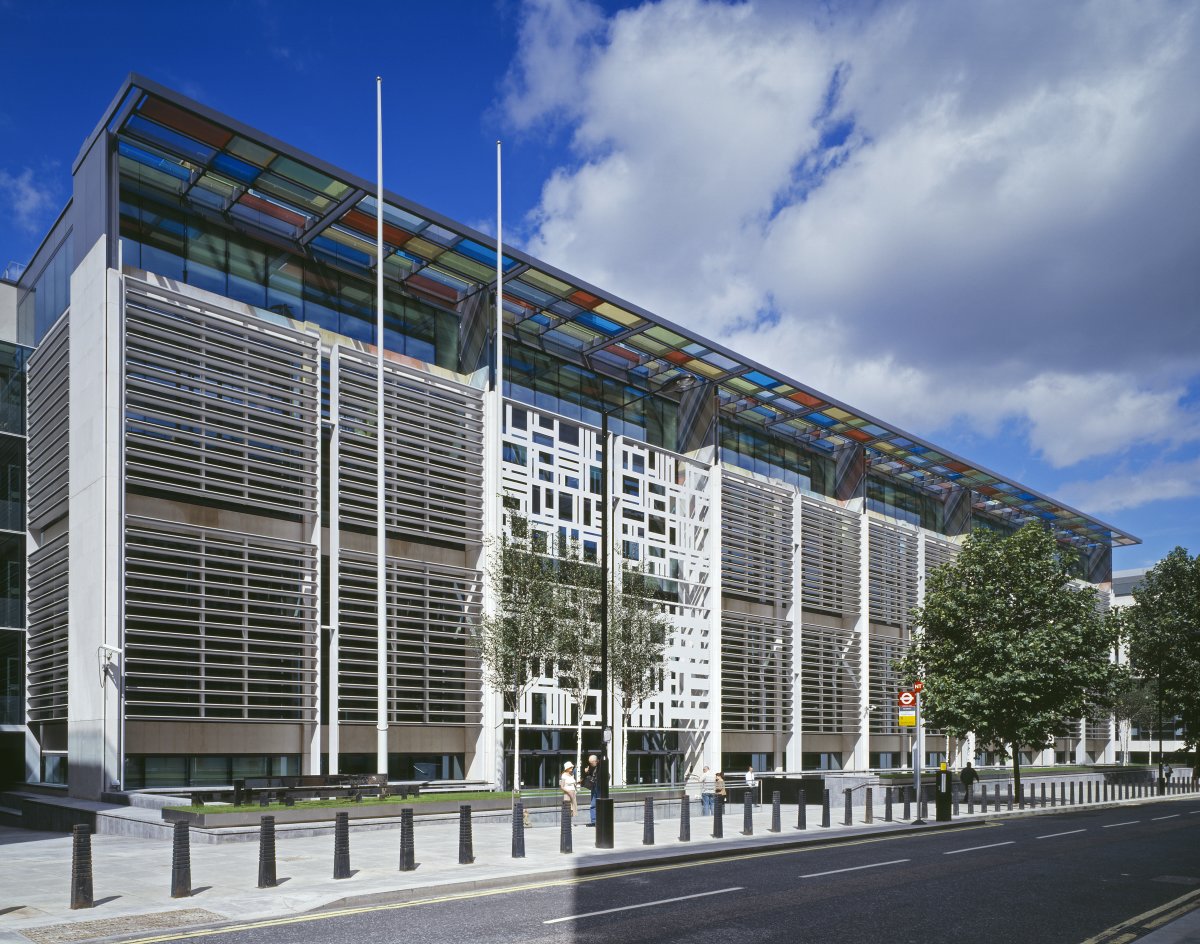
<point>576,614</point>
<point>519,631</point>
<point>637,636</point>
<point>1008,647</point>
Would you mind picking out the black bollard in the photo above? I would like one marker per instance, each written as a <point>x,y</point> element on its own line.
<point>849,813</point>
<point>518,830</point>
<point>408,850</point>
<point>747,814</point>
<point>181,861</point>
<point>564,831</point>
<point>719,818</point>
<point>776,823</point>
<point>466,844</point>
<point>1042,791</point>
<point>1010,796</point>
<point>81,867</point>
<point>648,822</point>
<point>907,814</point>
<point>685,822</point>
<point>1071,802</point>
<point>802,811</point>
<point>954,794</point>
<point>266,852</point>
<point>887,804</point>
<point>869,806</point>
<point>825,810</point>
<point>970,801</point>
<point>341,845</point>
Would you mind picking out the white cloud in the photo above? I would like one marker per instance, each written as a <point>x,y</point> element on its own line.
<point>1133,488</point>
<point>31,202</point>
<point>945,210</point>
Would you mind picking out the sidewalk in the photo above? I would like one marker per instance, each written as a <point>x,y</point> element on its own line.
<point>132,875</point>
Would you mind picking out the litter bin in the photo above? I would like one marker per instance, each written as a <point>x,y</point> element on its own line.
<point>942,795</point>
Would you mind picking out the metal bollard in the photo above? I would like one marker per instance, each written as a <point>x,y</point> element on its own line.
<point>341,845</point>
<point>266,852</point>
<point>518,830</point>
<point>970,802</point>
<point>685,821</point>
<point>466,842</point>
<point>1010,796</point>
<point>907,803</point>
<point>81,867</point>
<point>564,833</point>
<point>408,850</point>
<point>887,804</point>
<point>181,861</point>
<point>776,813</point>
<point>802,811</point>
<point>869,806</point>
<point>849,814</point>
<point>954,794</point>
<point>747,814</point>
<point>1043,792</point>
<point>996,796</point>
<point>1072,800</point>
<point>719,818</point>
<point>825,810</point>
<point>648,822</point>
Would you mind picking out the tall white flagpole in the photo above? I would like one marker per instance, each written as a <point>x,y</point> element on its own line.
<point>499,289</point>
<point>381,681</point>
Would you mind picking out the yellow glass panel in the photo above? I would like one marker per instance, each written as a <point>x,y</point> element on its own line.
<point>838,414</point>
<point>424,248</point>
<point>743,386</point>
<point>619,315</point>
<point>547,282</point>
<point>708,370</point>
<point>474,270</point>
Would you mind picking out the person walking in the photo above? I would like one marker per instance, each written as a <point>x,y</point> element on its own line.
<point>568,786</point>
<point>968,777</point>
<point>721,796</point>
<point>591,782</point>
<point>752,785</point>
<point>707,796</point>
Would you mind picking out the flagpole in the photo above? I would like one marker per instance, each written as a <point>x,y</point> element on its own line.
<point>381,667</point>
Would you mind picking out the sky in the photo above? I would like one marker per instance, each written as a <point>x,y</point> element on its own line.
<point>977,221</point>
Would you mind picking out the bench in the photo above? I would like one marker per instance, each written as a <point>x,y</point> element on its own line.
<point>313,786</point>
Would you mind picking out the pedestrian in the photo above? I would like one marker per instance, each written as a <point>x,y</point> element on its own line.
<point>752,785</point>
<point>707,796</point>
<point>719,785</point>
<point>567,784</point>
<point>591,782</point>
<point>968,776</point>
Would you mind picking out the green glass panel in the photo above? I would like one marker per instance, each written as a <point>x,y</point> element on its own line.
<point>467,267</point>
<point>547,283</point>
<point>250,151</point>
<point>297,196</point>
<point>315,180</point>
<point>150,176</point>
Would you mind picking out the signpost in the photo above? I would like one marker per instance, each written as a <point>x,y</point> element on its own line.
<point>909,716</point>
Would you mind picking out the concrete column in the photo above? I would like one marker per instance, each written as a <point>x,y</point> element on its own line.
<point>861,758</point>
<point>487,760</point>
<point>714,745</point>
<point>795,741</point>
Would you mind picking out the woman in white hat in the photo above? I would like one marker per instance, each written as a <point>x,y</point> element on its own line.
<point>567,784</point>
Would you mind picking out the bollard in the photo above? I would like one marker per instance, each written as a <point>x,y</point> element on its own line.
<point>887,804</point>
<point>408,850</point>
<point>869,809</point>
<point>776,813</point>
<point>719,818</point>
<point>1053,794</point>
<point>466,842</point>
<point>648,823</point>
<point>996,796</point>
<point>983,798</point>
<point>1072,800</point>
<point>685,822</point>
<point>181,861</point>
<point>1010,796</point>
<point>907,803</point>
<point>955,795</point>
<point>802,811</point>
<point>1043,792</point>
<point>747,814</point>
<point>266,852</point>
<point>341,845</point>
<point>825,810</point>
<point>518,830</point>
<point>970,802</point>
<point>564,834</point>
<point>849,821</point>
<point>81,867</point>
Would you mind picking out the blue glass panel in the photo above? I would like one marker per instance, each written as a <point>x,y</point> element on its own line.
<point>527,292</point>
<point>566,309</point>
<point>230,166</point>
<point>761,379</point>
<point>171,140</point>
<point>821,419</point>
<point>596,323</point>
<point>156,161</point>
<point>1025,496</point>
<point>336,250</point>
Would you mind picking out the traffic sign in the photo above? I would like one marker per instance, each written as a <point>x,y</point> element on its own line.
<point>906,699</point>
<point>918,686</point>
<point>907,718</point>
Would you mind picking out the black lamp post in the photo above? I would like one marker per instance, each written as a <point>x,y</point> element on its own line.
<point>604,804</point>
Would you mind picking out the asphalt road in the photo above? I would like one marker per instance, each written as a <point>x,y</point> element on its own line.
<point>1057,878</point>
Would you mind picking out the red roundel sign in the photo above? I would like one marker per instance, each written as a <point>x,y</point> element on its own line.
<point>906,699</point>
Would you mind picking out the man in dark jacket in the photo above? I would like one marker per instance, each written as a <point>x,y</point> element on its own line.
<point>591,782</point>
<point>968,776</point>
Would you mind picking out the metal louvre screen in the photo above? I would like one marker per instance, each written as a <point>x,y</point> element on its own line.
<point>829,558</point>
<point>48,467</point>
<point>830,678</point>
<point>434,673</point>
<point>885,683</point>
<point>938,553</point>
<point>47,640</point>
<point>434,462</point>
<point>756,541</point>
<point>218,624</point>
<point>1098,730</point>
<point>219,408</point>
<point>756,660</point>
<point>893,570</point>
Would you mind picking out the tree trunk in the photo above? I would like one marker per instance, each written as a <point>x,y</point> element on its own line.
<point>1016,752</point>
<point>579,740</point>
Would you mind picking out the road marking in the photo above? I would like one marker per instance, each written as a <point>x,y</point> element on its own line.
<point>1155,819</point>
<point>856,868</point>
<point>1069,832</point>
<point>1126,823</point>
<point>977,848</point>
<point>1147,919</point>
<point>648,904</point>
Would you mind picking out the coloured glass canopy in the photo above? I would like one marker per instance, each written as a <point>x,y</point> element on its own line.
<point>214,162</point>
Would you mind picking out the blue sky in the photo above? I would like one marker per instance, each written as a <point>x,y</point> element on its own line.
<point>978,221</point>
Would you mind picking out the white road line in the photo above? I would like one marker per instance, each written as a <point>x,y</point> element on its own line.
<point>1069,832</point>
<point>1156,818</point>
<point>977,848</point>
<point>873,865</point>
<point>1127,823</point>
<point>648,904</point>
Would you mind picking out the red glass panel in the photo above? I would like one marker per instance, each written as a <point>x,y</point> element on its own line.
<point>187,123</point>
<point>365,224</point>
<point>801,397</point>
<point>584,299</point>
<point>272,209</point>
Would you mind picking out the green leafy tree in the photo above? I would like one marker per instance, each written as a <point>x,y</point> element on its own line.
<point>1008,646</point>
<point>637,637</point>
<point>518,634</point>
<point>1134,705</point>
<point>576,610</point>
<point>1162,629</point>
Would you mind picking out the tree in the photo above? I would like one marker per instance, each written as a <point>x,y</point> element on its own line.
<point>519,631</point>
<point>1134,706</point>
<point>637,635</point>
<point>1162,629</point>
<point>576,616</point>
<point>1008,646</point>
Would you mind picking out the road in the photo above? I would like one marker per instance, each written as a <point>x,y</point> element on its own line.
<point>1047,878</point>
